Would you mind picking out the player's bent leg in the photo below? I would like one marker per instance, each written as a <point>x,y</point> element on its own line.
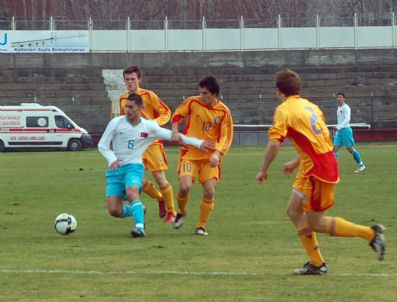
<point>339,227</point>
<point>378,243</point>
<point>305,234</point>
<point>168,195</point>
<point>185,183</point>
<point>187,171</point>
<point>206,206</point>
<point>115,207</point>
<point>295,210</point>
<point>137,211</point>
<point>180,216</point>
<point>149,189</point>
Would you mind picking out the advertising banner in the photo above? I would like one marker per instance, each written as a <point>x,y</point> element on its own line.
<point>44,41</point>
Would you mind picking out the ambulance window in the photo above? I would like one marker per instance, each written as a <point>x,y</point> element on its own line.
<point>36,121</point>
<point>63,122</point>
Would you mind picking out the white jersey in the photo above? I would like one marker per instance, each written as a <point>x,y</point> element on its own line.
<point>130,142</point>
<point>343,116</point>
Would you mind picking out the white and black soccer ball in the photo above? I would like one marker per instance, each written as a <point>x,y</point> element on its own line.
<point>65,224</point>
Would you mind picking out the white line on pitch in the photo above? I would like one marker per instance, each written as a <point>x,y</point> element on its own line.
<point>43,271</point>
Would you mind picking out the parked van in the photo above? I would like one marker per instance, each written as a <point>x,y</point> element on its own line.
<point>32,125</point>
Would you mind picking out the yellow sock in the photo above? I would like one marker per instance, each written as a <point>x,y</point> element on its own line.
<point>182,201</point>
<point>151,190</point>
<point>340,227</point>
<point>310,244</point>
<point>168,195</point>
<point>206,206</point>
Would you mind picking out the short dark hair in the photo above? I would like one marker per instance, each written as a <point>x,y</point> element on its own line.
<point>211,84</point>
<point>135,98</point>
<point>341,93</point>
<point>132,69</point>
<point>288,82</point>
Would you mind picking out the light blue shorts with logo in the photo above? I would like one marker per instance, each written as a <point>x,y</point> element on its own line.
<point>129,175</point>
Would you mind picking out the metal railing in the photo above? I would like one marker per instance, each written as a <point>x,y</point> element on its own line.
<point>123,24</point>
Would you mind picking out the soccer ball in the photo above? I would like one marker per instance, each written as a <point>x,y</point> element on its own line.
<point>65,224</point>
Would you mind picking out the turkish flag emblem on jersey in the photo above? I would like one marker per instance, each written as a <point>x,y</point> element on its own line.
<point>144,134</point>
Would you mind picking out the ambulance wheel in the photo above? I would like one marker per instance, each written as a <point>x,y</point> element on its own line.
<point>1,146</point>
<point>74,145</point>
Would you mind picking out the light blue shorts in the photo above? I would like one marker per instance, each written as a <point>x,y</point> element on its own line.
<point>344,138</point>
<point>129,175</point>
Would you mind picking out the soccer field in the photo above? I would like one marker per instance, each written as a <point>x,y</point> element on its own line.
<point>249,254</point>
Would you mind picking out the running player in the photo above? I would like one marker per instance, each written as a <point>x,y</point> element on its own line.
<point>154,159</point>
<point>313,190</point>
<point>122,144</point>
<point>209,119</point>
<point>344,133</point>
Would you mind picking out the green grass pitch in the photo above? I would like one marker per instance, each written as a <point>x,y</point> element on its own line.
<point>248,256</point>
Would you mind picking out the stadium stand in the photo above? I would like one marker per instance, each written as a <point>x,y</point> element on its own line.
<point>80,93</point>
<point>79,83</point>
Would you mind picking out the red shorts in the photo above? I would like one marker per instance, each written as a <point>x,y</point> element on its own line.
<point>318,195</point>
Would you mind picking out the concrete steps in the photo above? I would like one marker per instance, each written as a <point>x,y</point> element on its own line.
<point>80,93</point>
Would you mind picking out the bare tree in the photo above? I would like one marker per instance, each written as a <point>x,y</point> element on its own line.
<point>294,12</point>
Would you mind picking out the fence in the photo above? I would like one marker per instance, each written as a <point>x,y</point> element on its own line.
<point>221,35</point>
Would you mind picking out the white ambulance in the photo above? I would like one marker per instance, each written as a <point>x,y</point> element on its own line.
<point>32,125</point>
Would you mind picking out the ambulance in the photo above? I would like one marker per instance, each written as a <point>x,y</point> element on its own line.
<point>32,125</point>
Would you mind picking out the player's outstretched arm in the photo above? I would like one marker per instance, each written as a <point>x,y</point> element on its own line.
<point>166,134</point>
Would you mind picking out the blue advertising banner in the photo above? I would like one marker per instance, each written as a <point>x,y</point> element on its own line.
<point>39,41</point>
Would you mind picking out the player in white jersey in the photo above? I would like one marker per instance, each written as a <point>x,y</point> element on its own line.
<point>123,143</point>
<point>344,133</point>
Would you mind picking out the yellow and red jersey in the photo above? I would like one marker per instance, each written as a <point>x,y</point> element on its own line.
<point>153,107</point>
<point>304,124</point>
<point>207,123</point>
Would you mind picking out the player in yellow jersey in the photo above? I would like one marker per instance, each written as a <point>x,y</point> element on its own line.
<point>207,118</point>
<point>154,158</point>
<point>313,190</point>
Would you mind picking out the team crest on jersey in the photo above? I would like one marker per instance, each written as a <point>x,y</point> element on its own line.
<point>217,120</point>
<point>144,134</point>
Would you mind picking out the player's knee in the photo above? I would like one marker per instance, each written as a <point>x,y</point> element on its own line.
<point>317,226</point>
<point>293,214</point>
<point>132,193</point>
<point>184,187</point>
<point>184,190</point>
<point>113,211</point>
<point>209,193</point>
<point>160,179</point>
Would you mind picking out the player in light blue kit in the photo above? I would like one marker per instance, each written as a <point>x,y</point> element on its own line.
<point>130,136</point>
<point>344,133</point>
